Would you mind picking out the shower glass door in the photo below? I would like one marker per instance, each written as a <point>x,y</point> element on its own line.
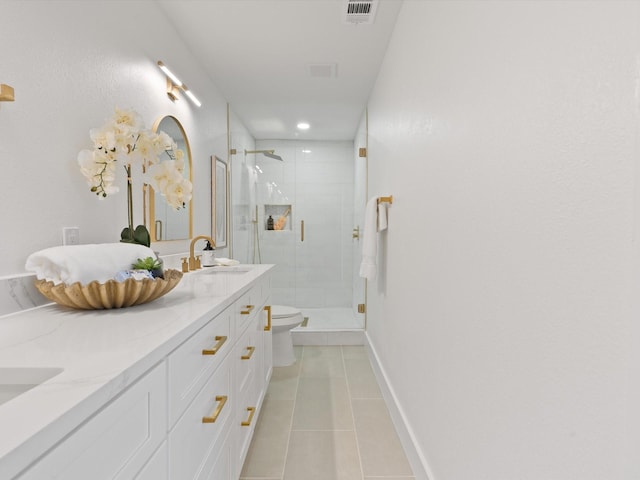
<point>305,223</point>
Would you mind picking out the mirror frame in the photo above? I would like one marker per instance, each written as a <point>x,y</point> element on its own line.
<point>151,193</point>
<point>219,201</point>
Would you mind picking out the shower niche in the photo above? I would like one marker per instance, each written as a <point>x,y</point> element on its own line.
<point>277,217</point>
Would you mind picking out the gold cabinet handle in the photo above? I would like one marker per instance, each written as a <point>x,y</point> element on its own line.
<point>248,310</point>
<point>248,355</point>
<point>302,230</point>
<point>251,411</point>
<point>221,399</point>
<point>220,339</point>
<point>268,309</point>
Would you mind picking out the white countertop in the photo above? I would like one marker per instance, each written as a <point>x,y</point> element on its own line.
<point>102,352</point>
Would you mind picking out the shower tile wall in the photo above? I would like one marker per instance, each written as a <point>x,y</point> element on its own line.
<point>316,178</point>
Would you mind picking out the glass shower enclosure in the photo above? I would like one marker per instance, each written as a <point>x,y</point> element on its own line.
<point>304,219</point>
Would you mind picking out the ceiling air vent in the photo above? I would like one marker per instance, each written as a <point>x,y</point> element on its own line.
<point>322,70</point>
<point>359,11</point>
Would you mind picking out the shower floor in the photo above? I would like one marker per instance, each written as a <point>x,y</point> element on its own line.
<point>334,318</point>
<point>329,326</point>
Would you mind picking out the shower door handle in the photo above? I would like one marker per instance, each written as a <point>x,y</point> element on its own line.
<point>302,230</point>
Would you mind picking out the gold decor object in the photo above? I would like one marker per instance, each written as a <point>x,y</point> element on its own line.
<point>111,294</point>
<point>7,93</point>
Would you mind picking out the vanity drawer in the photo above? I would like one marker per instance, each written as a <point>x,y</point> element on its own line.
<point>206,421</point>
<point>246,308</point>
<point>245,422</point>
<point>246,354</point>
<point>156,468</point>
<point>191,364</point>
<point>218,465</point>
<point>117,442</point>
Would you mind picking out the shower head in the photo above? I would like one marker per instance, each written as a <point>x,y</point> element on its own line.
<point>266,153</point>
<point>273,155</point>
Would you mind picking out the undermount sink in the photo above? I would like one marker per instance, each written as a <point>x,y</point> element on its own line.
<point>15,381</point>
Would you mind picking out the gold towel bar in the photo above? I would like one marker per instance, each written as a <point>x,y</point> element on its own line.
<point>388,199</point>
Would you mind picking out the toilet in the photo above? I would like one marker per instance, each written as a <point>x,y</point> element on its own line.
<point>283,319</point>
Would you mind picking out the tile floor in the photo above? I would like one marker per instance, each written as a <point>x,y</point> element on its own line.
<point>324,418</point>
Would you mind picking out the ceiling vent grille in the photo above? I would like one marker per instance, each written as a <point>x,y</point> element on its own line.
<point>359,11</point>
<point>322,70</point>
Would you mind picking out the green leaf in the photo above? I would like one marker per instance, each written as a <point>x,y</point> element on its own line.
<point>126,236</point>
<point>148,263</point>
<point>140,236</point>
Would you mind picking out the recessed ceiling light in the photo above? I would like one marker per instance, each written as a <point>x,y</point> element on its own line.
<point>303,126</point>
<point>306,151</point>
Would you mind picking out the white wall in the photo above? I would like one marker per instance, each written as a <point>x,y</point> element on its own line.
<point>71,63</point>
<point>507,133</point>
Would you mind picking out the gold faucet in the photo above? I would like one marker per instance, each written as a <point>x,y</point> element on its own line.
<point>193,263</point>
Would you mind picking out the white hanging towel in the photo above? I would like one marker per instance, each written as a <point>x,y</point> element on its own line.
<point>370,240</point>
<point>382,216</point>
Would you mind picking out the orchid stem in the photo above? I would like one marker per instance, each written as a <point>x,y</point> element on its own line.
<point>129,200</point>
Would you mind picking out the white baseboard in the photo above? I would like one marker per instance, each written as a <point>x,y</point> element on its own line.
<point>421,470</point>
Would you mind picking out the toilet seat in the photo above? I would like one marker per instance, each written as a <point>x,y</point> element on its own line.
<point>281,311</point>
<point>282,315</point>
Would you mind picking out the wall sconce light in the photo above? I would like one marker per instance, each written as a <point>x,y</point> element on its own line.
<point>174,84</point>
<point>6,93</point>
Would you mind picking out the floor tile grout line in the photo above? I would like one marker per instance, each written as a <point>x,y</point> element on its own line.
<point>323,430</point>
<point>293,412</point>
<point>289,454</point>
<point>353,418</point>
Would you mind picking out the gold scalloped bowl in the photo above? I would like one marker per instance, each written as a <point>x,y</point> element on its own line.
<point>111,294</point>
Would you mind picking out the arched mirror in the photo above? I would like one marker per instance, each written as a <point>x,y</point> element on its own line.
<point>165,222</point>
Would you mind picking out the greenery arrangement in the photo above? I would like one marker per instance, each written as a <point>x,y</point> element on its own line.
<point>151,264</point>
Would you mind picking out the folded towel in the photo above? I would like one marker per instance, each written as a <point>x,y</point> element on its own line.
<point>370,240</point>
<point>382,216</point>
<point>85,263</point>
<point>225,262</point>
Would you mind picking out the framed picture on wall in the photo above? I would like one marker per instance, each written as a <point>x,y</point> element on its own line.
<point>219,201</point>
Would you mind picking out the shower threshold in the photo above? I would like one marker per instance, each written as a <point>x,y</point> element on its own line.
<point>329,326</point>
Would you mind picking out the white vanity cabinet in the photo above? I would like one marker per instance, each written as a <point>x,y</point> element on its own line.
<point>117,442</point>
<point>192,363</point>
<point>216,386</point>
<point>250,361</point>
<point>189,417</point>
<point>200,408</point>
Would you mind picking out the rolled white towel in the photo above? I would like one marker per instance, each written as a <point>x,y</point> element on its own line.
<point>225,262</point>
<point>85,263</point>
